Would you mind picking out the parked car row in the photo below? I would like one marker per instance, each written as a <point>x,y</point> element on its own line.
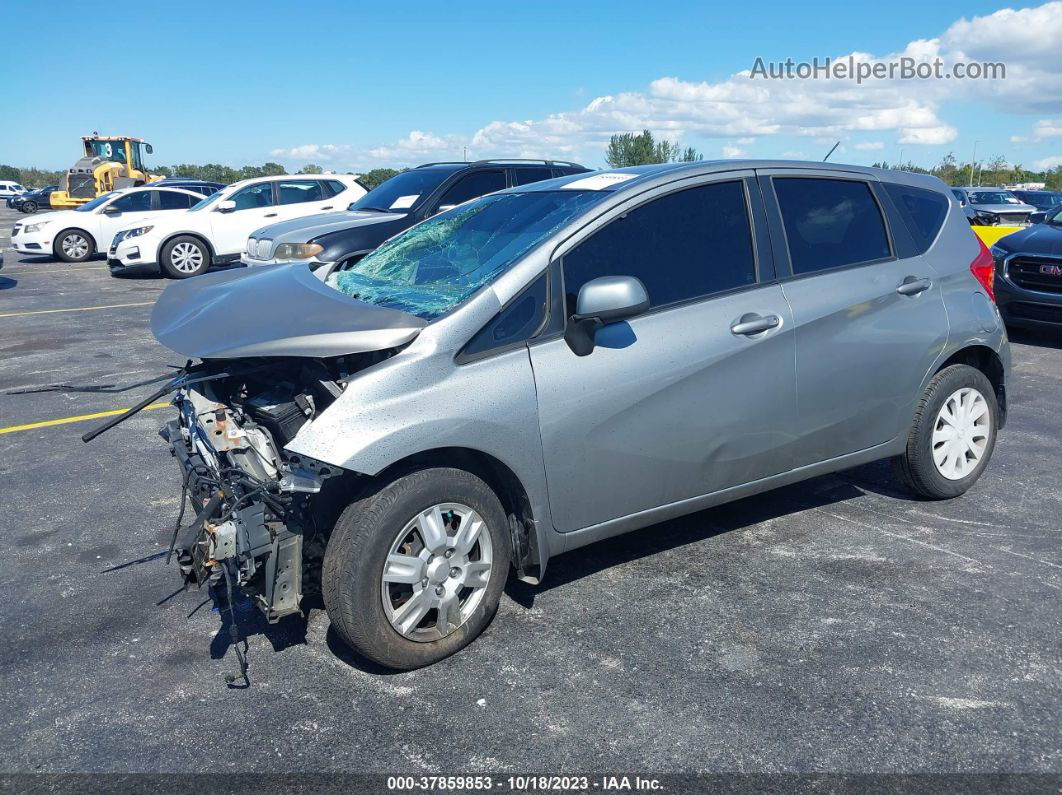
<point>326,220</point>
<point>31,200</point>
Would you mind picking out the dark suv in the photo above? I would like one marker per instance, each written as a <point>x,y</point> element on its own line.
<point>391,207</point>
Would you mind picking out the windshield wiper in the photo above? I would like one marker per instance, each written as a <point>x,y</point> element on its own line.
<point>373,209</point>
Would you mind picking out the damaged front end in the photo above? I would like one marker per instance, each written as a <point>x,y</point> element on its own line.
<point>262,514</point>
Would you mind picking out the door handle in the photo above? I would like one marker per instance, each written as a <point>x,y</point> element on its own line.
<point>328,207</point>
<point>912,285</point>
<point>270,215</point>
<point>751,323</point>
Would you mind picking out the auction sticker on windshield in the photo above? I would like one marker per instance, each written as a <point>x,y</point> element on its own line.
<point>403,202</point>
<point>598,181</point>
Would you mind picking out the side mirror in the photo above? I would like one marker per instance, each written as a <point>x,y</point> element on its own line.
<point>226,206</point>
<point>148,149</point>
<point>607,299</point>
<point>111,210</point>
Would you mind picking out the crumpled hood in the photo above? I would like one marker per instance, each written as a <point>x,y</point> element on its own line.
<point>1039,239</point>
<point>301,230</point>
<point>275,310</point>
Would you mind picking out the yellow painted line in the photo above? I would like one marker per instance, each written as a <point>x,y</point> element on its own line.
<point>65,420</point>
<point>76,309</point>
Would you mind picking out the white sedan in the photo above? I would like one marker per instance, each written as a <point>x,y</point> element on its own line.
<point>75,235</point>
<point>215,230</point>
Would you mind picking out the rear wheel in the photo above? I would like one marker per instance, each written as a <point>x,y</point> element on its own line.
<point>415,571</point>
<point>73,245</point>
<point>184,256</point>
<point>953,435</point>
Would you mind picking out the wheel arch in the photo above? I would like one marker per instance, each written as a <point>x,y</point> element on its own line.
<point>85,232</point>
<point>528,549</point>
<point>983,358</point>
<point>197,235</point>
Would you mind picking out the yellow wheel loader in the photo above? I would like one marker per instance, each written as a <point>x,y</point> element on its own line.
<point>109,162</point>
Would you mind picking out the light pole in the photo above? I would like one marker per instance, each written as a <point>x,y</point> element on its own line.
<point>974,160</point>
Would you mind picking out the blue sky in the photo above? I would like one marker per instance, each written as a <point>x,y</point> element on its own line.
<point>352,86</point>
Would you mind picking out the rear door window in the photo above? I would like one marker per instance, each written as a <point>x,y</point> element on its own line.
<point>830,223</point>
<point>923,211</point>
<point>172,200</point>
<point>525,176</point>
<point>299,191</point>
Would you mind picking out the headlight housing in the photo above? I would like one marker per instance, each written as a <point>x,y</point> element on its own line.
<point>35,227</point>
<point>298,250</point>
<point>125,234</point>
<point>998,253</point>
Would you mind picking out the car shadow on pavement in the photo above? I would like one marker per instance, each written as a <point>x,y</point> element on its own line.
<point>817,492</point>
<point>1039,338</point>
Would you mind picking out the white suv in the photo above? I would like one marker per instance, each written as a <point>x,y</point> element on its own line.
<point>216,229</point>
<point>10,189</point>
<point>75,235</point>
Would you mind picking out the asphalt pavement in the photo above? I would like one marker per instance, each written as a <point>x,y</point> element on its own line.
<point>835,625</point>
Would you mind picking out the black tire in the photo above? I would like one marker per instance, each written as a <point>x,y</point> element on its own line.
<point>173,261</point>
<point>916,468</point>
<point>359,546</point>
<point>29,207</point>
<point>73,245</point>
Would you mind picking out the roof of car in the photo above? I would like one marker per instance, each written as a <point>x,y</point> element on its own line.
<point>633,176</point>
<point>278,177</point>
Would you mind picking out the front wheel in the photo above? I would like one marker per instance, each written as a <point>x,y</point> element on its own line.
<point>953,435</point>
<point>73,245</point>
<point>414,572</point>
<point>29,207</point>
<point>184,257</point>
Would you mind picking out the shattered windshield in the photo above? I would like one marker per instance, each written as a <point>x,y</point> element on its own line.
<point>434,266</point>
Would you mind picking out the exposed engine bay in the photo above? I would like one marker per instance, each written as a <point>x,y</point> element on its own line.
<point>262,514</point>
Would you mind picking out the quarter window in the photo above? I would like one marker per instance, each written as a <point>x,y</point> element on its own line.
<point>515,323</point>
<point>335,186</point>
<point>830,223</point>
<point>257,195</point>
<point>132,202</point>
<point>923,211</point>
<point>300,191</point>
<point>172,200</point>
<point>472,186</point>
<point>525,176</point>
<point>685,245</point>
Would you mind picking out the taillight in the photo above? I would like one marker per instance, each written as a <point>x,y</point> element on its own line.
<point>984,269</point>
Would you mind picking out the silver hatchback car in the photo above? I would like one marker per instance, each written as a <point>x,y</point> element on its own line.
<point>554,364</point>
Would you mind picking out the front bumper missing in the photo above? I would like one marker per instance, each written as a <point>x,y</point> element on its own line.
<point>258,534</point>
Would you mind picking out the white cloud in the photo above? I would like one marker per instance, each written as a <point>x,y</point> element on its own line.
<point>312,152</point>
<point>730,152</point>
<point>743,109</point>
<point>866,146</point>
<point>1048,163</point>
<point>415,147</point>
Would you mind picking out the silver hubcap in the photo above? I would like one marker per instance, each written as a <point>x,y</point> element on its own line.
<point>75,246</point>
<point>960,435</point>
<point>436,572</point>
<point>186,257</point>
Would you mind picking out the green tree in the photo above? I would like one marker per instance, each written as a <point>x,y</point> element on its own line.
<point>10,173</point>
<point>370,179</point>
<point>310,168</point>
<point>630,149</point>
